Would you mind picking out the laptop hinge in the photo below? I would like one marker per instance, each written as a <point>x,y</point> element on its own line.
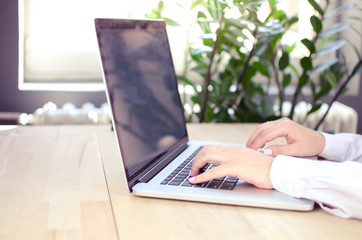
<point>157,168</point>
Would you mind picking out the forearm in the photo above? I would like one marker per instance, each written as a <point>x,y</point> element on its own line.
<point>336,187</point>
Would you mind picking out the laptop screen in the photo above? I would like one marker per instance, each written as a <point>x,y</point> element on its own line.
<point>142,90</point>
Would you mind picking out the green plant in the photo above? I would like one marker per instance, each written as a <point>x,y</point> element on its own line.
<point>332,70</point>
<point>243,43</point>
<point>239,48</point>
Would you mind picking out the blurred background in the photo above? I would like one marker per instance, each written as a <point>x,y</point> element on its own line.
<point>39,36</point>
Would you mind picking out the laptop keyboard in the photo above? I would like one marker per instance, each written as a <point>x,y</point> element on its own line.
<point>180,176</point>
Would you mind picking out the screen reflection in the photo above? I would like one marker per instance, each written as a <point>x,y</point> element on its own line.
<point>142,90</point>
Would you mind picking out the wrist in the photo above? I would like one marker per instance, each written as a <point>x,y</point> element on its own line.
<point>265,180</point>
<point>269,164</point>
<point>321,143</point>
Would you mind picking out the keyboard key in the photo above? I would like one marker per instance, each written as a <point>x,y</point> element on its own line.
<point>164,182</point>
<point>201,185</point>
<point>183,174</point>
<point>214,184</point>
<point>168,178</point>
<point>228,186</point>
<point>179,179</point>
<point>178,176</point>
<point>231,179</point>
<point>182,171</point>
<point>186,184</point>
<point>174,183</point>
<point>220,179</point>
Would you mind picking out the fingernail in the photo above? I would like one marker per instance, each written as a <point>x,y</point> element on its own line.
<point>268,152</point>
<point>191,179</point>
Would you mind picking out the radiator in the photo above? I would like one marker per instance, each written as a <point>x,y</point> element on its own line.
<point>67,114</point>
<point>341,118</point>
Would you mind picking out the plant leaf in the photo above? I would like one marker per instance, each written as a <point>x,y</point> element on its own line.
<point>314,109</point>
<point>323,91</point>
<point>272,3</point>
<point>188,82</point>
<point>291,48</point>
<point>213,8</point>
<point>261,49</point>
<point>313,88</point>
<point>316,6</point>
<point>161,6</point>
<point>284,60</point>
<point>335,28</point>
<point>260,90</point>
<point>209,114</point>
<point>286,80</point>
<point>222,115</point>
<point>291,66</point>
<point>196,3</point>
<point>202,71</point>
<point>316,23</point>
<point>203,22</point>
<point>203,49</point>
<point>171,22</point>
<point>326,64</point>
<point>279,14</point>
<point>261,68</point>
<point>355,18</point>
<point>309,44</point>
<point>241,23</point>
<point>326,40</point>
<point>207,36</point>
<point>293,20</point>
<point>339,11</point>
<point>232,39</point>
<point>331,78</point>
<point>356,31</point>
<point>274,29</point>
<point>303,80</point>
<point>225,85</point>
<point>331,47</point>
<point>306,63</point>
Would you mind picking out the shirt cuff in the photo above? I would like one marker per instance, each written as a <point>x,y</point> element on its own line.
<point>334,148</point>
<point>286,173</point>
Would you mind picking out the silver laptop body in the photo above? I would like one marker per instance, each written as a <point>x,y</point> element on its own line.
<point>148,118</point>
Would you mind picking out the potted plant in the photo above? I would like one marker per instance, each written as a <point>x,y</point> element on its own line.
<point>243,57</point>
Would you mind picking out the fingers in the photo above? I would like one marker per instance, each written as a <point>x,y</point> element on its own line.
<point>216,172</point>
<point>266,136</point>
<point>208,154</point>
<point>309,146</point>
<point>212,154</point>
<point>262,130</point>
<point>281,149</point>
<point>238,161</point>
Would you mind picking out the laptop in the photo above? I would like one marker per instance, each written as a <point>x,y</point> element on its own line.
<point>149,122</point>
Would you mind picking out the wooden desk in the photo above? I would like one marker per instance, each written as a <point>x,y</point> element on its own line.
<point>65,182</point>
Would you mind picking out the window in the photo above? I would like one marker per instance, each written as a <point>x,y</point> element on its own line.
<point>57,43</point>
<point>58,48</point>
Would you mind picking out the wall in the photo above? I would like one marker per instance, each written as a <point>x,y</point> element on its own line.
<point>13,100</point>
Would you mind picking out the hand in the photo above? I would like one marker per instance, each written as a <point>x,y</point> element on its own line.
<point>301,141</point>
<point>236,161</point>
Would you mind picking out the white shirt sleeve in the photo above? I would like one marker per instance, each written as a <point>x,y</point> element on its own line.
<point>342,147</point>
<point>335,186</point>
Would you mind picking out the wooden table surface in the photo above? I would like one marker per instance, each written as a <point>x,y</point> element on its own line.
<point>65,182</point>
